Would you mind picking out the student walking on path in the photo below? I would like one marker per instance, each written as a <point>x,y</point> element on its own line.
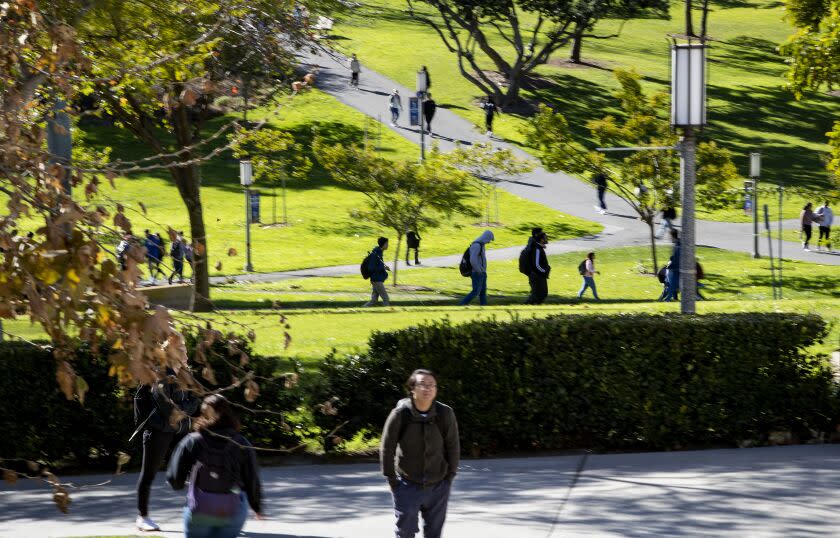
<point>425,73</point>
<point>419,456</point>
<point>672,272</point>
<point>589,276</point>
<point>526,262</point>
<point>601,184</point>
<point>490,110</point>
<point>478,263</point>
<point>154,254</point>
<point>221,467</point>
<point>429,107</point>
<point>412,240</point>
<point>153,407</point>
<point>668,216</point>
<point>806,220</point>
<point>395,105</point>
<point>176,251</point>
<point>826,218</point>
<point>355,69</point>
<point>541,270</point>
<point>378,273</point>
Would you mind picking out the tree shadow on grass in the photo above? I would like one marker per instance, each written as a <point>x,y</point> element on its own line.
<point>825,286</point>
<point>552,229</point>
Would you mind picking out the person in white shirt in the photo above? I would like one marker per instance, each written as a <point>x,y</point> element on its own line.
<point>355,69</point>
<point>395,104</point>
<point>826,217</point>
<point>589,276</point>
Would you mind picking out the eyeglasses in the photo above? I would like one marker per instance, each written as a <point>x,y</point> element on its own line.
<point>425,386</point>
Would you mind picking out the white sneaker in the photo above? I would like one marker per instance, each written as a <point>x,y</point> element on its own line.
<point>806,249</point>
<point>146,524</point>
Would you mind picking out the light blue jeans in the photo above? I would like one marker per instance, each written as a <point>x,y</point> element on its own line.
<point>479,287</point>
<point>588,282</point>
<point>203,526</point>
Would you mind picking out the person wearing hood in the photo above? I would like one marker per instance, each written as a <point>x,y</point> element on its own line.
<point>419,456</point>
<point>478,261</point>
<point>540,270</point>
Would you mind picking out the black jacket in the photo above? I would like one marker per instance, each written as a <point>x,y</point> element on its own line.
<point>189,451</point>
<point>413,239</point>
<point>429,108</point>
<point>158,402</point>
<point>539,263</point>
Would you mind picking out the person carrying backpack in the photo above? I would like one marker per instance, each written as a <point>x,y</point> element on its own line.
<point>176,251</point>
<point>378,273</point>
<point>476,258</point>
<point>526,262</point>
<point>153,407</point>
<point>419,456</point>
<point>540,270</point>
<point>412,240</point>
<point>221,468</point>
<point>588,273</point>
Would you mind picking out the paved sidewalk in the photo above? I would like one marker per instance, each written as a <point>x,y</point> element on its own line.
<point>775,491</point>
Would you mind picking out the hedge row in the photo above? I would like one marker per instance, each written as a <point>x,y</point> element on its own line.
<point>38,422</point>
<point>602,381</point>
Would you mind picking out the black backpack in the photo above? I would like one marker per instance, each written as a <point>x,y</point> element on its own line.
<point>525,260</point>
<point>365,268</point>
<point>216,469</point>
<point>466,265</point>
<point>582,267</point>
<point>406,417</point>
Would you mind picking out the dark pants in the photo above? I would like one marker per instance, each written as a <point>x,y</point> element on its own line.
<point>411,500</point>
<point>155,446</point>
<point>539,288</point>
<point>825,233</point>
<point>479,287</point>
<point>601,201</point>
<point>354,79</point>
<point>178,269</point>
<point>429,122</point>
<point>488,122</point>
<point>530,299</point>
<point>416,254</point>
<point>807,230</point>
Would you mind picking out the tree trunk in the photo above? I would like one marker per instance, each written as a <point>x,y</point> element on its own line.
<point>577,43</point>
<point>651,227</point>
<point>285,216</point>
<point>704,19</point>
<point>397,257</point>
<point>689,22</point>
<point>512,94</point>
<point>188,180</point>
<point>273,204</point>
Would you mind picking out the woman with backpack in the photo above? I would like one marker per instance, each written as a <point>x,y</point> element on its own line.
<point>587,271</point>
<point>221,468</point>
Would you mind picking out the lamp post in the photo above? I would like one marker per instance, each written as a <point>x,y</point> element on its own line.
<point>246,179</point>
<point>755,172</point>
<point>422,86</point>
<point>688,111</point>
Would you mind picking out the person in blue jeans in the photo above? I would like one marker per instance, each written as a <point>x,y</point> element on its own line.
<point>672,276</point>
<point>478,260</point>
<point>589,276</point>
<point>221,468</point>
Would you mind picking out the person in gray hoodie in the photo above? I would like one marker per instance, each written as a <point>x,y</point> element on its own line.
<point>478,261</point>
<point>419,456</point>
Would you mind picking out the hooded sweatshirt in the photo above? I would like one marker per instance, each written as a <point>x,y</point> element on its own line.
<point>478,257</point>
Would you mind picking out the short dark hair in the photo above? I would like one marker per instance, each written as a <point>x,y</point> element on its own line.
<point>542,236</point>
<point>381,241</point>
<point>590,255</point>
<point>412,379</point>
<point>216,414</point>
<point>535,232</point>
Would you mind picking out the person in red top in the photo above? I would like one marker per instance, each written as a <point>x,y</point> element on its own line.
<point>806,220</point>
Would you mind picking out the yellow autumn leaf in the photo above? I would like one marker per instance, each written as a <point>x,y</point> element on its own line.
<point>73,277</point>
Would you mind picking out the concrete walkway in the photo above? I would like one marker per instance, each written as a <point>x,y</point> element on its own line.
<point>775,491</point>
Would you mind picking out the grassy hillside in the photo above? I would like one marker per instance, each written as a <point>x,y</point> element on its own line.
<point>749,109</point>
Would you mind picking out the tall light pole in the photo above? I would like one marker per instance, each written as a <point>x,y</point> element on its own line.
<point>422,86</point>
<point>246,179</point>
<point>688,112</point>
<point>755,172</point>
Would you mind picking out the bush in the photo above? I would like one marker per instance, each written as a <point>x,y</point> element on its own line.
<point>601,381</point>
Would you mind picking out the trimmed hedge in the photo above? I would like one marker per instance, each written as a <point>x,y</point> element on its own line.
<point>38,422</point>
<point>602,381</point>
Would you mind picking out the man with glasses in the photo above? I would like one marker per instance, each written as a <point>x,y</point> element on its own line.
<point>419,455</point>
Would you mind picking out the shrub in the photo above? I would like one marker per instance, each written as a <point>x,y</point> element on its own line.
<point>601,381</point>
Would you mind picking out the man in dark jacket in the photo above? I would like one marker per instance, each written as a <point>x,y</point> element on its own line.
<point>378,274</point>
<point>153,408</point>
<point>601,184</point>
<point>529,248</point>
<point>412,239</point>
<point>429,107</point>
<point>540,270</point>
<point>419,455</point>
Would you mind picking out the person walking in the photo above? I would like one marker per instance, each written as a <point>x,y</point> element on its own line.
<point>668,216</point>
<point>153,408</point>
<point>123,248</point>
<point>541,270</point>
<point>490,110</point>
<point>425,73</point>
<point>154,253</point>
<point>429,108</point>
<point>419,456</point>
<point>589,276</point>
<point>806,221</point>
<point>412,240</point>
<point>601,184</point>
<point>378,273</point>
<point>221,468</point>
<point>672,272</point>
<point>526,262</point>
<point>395,105</point>
<point>355,69</point>
<point>478,262</point>
<point>826,218</point>
<point>176,252</point>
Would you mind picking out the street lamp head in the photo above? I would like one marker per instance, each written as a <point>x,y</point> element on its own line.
<point>688,84</point>
<point>245,173</point>
<point>755,164</point>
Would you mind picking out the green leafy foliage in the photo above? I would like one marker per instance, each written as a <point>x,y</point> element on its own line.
<point>602,381</point>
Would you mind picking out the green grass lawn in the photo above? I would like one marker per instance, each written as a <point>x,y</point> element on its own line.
<point>322,230</point>
<point>749,109</point>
